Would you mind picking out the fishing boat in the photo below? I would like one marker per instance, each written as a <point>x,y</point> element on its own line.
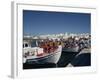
<point>85,50</point>
<point>83,58</point>
<point>71,49</point>
<point>36,54</point>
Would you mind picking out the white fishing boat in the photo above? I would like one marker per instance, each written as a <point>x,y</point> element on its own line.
<point>36,54</point>
<point>85,50</point>
<point>71,49</point>
<point>83,58</point>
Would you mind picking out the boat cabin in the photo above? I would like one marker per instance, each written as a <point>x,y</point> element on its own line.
<point>26,44</point>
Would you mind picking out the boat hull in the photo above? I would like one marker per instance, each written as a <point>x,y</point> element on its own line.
<point>50,58</point>
<point>76,49</point>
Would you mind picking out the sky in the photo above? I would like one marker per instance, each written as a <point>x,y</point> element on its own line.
<point>47,22</point>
